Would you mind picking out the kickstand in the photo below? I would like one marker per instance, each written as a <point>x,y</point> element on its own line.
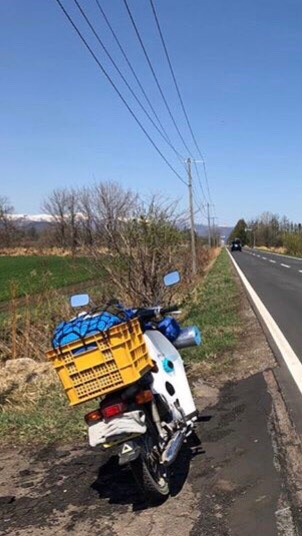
<point>197,450</point>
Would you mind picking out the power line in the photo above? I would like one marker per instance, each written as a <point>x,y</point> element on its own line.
<point>124,79</point>
<point>117,90</point>
<point>179,94</point>
<point>206,176</point>
<point>154,75</point>
<point>199,180</point>
<point>130,66</point>
<point>196,196</point>
<point>199,203</point>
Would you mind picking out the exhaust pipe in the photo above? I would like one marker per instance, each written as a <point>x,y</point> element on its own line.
<point>172,449</point>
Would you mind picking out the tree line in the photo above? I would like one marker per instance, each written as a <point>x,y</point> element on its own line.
<point>77,217</point>
<point>271,231</point>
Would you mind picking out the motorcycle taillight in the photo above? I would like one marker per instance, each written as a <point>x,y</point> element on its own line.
<point>113,410</point>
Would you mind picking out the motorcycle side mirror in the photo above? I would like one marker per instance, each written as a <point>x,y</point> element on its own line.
<point>79,300</point>
<point>172,278</point>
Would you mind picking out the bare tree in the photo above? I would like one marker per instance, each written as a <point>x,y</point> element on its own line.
<point>146,246</point>
<point>112,207</point>
<point>63,206</point>
<point>87,220</point>
<point>73,218</point>
<point>8,227</point>
<point>143,239</point>
<point>56,206</point>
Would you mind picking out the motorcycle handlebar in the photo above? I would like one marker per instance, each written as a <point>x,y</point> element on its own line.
<point>169,309</point>
<point>150,312</point>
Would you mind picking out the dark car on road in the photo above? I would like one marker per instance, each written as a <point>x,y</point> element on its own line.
<point>236,245</point>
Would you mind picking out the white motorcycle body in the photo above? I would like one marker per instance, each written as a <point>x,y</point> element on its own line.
<point>172,384</point>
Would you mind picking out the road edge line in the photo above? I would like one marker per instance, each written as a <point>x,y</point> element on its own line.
<point>291,360</point>
<point>264,251</point>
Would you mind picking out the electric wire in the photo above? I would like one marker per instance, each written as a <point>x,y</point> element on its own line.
<point>206,177</point>
<point>199,180</point>
<point>117,90</point>
<point>125,80</point>
<point>179,95</point>
<point>155,76</point>
<point>199,203</point>
<point>122,50</point>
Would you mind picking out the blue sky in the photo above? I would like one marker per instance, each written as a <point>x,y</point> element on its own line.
<point>238,64</point>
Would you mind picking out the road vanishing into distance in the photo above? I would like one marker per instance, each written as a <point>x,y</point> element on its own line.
<point>277,280</point>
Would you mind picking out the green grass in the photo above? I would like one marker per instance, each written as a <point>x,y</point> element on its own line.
<point>46,420</point>
<point>31,274</point>
<point>215,311</point>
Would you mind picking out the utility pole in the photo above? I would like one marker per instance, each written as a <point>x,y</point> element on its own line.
<point>209,225</point>
<point>214,234</point>
<point>193,245</point>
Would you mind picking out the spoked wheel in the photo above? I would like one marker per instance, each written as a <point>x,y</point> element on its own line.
<point>151,476</point>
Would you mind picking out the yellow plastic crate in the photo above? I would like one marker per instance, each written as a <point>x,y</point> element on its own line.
<point>106,362</point>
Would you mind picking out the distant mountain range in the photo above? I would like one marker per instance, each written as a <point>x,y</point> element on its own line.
<point>224,230</point>
<point>42,221</point>
<point>37,221</point>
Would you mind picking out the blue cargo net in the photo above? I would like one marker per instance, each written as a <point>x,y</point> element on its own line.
<point>85,325</point>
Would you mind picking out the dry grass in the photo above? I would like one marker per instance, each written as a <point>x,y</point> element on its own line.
<point>24,380</point>
<point>280,250</point>
<point>45,251</point>
<point>25,332</point>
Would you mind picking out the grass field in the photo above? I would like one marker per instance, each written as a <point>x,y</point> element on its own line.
<point>215,310</point>
<point>30,275</point>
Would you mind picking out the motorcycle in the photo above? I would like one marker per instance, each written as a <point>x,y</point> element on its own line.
<point>148,420</point>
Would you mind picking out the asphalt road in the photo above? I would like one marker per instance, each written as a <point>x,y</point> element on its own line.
<point>278,282</point>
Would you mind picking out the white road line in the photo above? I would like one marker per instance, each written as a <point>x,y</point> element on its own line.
<point>285,265</point>
<point>271,260</point>
<point>258,256</point>
<point>293,363</point>
<point>264,258</point>
<point>286,256</point>
<point>300,271</point>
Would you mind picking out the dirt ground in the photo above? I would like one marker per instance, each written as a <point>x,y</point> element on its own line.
<point>235,484</point>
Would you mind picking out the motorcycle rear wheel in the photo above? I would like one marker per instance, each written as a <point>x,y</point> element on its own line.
<point>153,482</point>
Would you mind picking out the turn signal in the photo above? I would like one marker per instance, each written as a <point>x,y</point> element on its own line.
<point>143,397</point>
<point>93,416</point>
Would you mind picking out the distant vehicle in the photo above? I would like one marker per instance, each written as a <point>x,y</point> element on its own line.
<point>236,245</point>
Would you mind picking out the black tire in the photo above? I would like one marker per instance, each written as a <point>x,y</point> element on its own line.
<point>154,484</point>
